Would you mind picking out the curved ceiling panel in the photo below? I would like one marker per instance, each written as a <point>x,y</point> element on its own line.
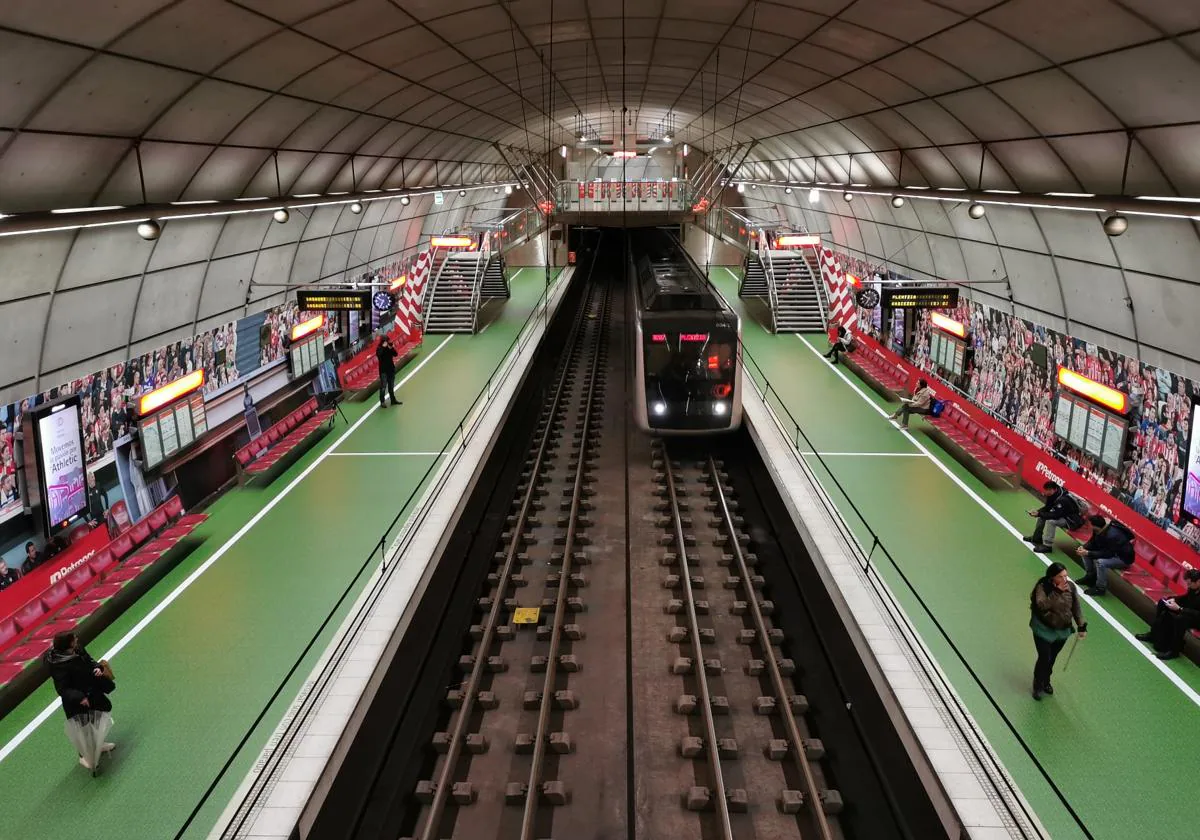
<point>138,101</point>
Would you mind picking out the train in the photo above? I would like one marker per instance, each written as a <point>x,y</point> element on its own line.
<point>687,341</point>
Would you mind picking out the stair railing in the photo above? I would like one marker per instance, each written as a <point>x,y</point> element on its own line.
<point>772,295</point>
<point>477,289</point>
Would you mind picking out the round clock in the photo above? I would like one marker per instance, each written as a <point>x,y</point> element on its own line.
<point>383,301</point>
<point>868,298</point>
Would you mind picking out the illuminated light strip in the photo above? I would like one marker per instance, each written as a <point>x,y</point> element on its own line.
<point>1092,390</point>
<point>307,327</point>
<point>450,241</point>
<point>948,324</point>
<point>793,239</point>
<point>624,154</point>
<point>398,282</point>
<point>170,392</point>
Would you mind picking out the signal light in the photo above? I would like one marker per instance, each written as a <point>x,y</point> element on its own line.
<point>714,363</point>
<point>722,391</point>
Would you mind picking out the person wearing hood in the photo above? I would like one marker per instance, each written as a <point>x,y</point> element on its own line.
<point>83,684</point>
<point>1055,615</point>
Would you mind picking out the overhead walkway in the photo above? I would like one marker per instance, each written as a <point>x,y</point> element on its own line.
<point>209,660</point>
<point>1120,737</point>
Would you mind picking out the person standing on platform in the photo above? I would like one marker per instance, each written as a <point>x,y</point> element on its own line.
<point>1174,618</point>
<point>97,501</point>
<point>386,354</point>
<point>83,684</point>
<point>1055,615</point>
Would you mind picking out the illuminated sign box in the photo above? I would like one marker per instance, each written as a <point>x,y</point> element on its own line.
<point>307,327</point>
<point>947,324</point>
<point>335,301</point>
<point>1100,394</point>
<point>795,240</point>
<point>451,241</point>
<point>921,298</point>
<point>170,392</point>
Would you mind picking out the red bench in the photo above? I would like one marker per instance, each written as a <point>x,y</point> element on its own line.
<point>359,375</point>
<point>978,446</point>
<point>283,442</point>
<point>887,378</point>
<point>69,603</point>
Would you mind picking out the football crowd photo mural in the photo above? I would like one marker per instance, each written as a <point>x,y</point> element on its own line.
<point>1013,374</point>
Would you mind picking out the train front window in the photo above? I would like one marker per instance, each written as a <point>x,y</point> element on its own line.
<point>688,369</point>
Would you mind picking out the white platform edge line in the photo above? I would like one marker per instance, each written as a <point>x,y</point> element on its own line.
<point>1045,560</point>
<point>133,633</point>
<point>287,815</point>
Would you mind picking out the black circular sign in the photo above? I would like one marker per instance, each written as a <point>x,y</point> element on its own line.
<point>383,301</point>
<point>868,298</point>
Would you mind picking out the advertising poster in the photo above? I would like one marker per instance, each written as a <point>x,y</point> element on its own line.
<point>60,438</point>
<point>1191,496</point>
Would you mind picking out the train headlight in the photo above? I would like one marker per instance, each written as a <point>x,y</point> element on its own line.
<point>720,408</point>
<point>660,408</point>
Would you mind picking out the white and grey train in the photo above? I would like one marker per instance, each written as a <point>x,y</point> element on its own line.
<point>687,341</point>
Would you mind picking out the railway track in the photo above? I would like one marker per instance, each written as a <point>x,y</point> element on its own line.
<point>623,678</point>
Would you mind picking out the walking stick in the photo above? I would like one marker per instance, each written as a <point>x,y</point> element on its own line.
<point>1071,653</point>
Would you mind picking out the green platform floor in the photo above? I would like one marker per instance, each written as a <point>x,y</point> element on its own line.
<point>196,667</point>
<point>1119,738</point>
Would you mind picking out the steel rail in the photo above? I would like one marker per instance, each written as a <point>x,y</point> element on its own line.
<point>710,727</point>
<point>540,737</point>
<point>760,626</point>
<point>430,830</point>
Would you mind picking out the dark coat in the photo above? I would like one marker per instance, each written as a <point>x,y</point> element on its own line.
<point>1056,609</point>
<point>1061,505</point>
<point>74,678</point>
<point>387,358</point>
<point>1114,541</point>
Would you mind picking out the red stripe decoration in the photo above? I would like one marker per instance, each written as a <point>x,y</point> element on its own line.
<point>841,295</point>
<point>409,307</point>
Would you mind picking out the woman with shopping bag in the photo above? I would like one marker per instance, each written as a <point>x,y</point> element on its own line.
<point>84,685</point>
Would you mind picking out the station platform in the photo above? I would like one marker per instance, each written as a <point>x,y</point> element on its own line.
<point>1117,743</point>
<point>209,660</point>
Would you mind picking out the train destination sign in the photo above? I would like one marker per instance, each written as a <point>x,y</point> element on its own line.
<point>927,297</point>
<point>332,301</point>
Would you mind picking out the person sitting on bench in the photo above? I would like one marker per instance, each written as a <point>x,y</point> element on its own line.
<point>839,342</point>
<point>1174,618</point>
<point>920,403</point>
<point>1110,547</point>
<point>1059,511</point>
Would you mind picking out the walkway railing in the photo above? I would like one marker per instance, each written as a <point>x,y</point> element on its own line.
<point>869,557</point>
<point>399,533</point>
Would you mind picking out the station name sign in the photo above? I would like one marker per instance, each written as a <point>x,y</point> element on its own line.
<point>928,297</point>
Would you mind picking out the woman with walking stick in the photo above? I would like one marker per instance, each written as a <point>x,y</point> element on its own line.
<point>1055,615</point>
<point>84,685</point>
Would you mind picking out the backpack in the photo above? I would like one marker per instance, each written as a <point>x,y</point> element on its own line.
<point>1071,511</point>
<point>937,407</point>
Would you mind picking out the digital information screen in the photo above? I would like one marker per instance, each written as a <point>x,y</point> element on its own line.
<point>335,301</point>
<point>60,450</point>
<point>172,429</point>
<point>1097,432</point>
<point>921,298</point>
<point>307,355</point>
<point>1191,493</point>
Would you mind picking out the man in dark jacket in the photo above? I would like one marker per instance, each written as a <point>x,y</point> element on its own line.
<point>33,558</point>
<point>1059,511</point>
<point>83,684</point>
<point>386,354</point>
<point>1174,618</point>
<point>1110,547</point>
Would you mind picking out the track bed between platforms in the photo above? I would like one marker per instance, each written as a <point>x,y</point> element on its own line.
<point>671,683</point>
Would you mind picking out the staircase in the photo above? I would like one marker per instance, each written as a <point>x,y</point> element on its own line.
<point>754,278</point>
<point>454,294</point>
<point>799,303</point>
<point>495,278</point>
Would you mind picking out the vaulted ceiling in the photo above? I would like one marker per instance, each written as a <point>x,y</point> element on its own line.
<point>121,102</point>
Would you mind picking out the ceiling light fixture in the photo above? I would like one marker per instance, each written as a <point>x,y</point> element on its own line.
<point>814,196</point>
<point>897,201</point>
<point>149,230</point>
<point>1115,225</point>
<point>847,196</point>
<point>976,210</point>
<point>405,200</point>
<point>355,207</point>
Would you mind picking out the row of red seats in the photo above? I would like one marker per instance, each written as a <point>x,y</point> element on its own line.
<point>26,633</point>
<point>890,376</point>
<point>361,371</point>
<point>981,443</point>
<point>281,438</point>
